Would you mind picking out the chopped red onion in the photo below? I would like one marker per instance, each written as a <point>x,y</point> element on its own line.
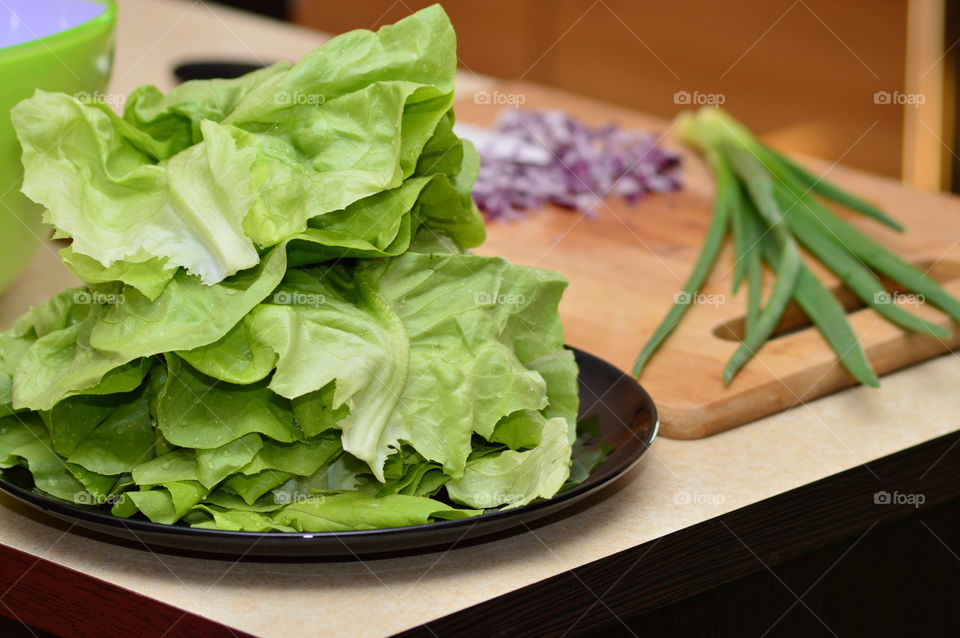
<point>532,158</point>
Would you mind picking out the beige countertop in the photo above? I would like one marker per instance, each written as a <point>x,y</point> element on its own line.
<point>677,484</point>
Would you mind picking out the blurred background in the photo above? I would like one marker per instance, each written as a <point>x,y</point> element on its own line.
<point>868,83</point>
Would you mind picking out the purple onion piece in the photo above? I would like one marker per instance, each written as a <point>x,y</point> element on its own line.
<point>586,164</point>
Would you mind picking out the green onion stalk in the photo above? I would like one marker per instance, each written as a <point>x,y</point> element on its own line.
<point>773,208</point>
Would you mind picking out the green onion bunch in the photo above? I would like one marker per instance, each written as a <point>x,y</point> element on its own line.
<point>774,208</point>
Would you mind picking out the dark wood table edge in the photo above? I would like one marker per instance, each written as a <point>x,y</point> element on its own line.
<point>60,600</point>
<point>696,559</point>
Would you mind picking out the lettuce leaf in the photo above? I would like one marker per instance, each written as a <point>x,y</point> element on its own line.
<point>356,510</point>
<point>422,348</point>
<point>196,411</point>
<point>517,478</point>
<point>25,442</point>
<point>98,339</point>
<point>384,224</point>
<point>203,177</point>
<point>120,442</point>
<point>117,204</point>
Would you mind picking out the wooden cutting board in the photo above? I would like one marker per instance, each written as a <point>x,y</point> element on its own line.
<point>626,266</point>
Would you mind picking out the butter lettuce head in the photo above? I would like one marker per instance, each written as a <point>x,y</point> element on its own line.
<point>280,327</point>
<point>203,178</point>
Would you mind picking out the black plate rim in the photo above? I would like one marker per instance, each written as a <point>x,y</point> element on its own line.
<point>135,525</point>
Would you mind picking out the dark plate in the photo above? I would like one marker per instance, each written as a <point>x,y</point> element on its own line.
<point>627,420</point>
<point>211,69</point>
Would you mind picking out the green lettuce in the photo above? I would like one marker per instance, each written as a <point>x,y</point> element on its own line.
<point>202,178</point>
<point>25,442</point>
<point>422,348</point>
<point>98,339</point>
<point>280,327</point>
<point>515,478</point>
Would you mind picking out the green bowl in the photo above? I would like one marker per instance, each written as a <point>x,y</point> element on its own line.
<point>77,60</point>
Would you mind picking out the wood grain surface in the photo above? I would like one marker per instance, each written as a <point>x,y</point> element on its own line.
<point>626,265</point>
<point>54,598</point>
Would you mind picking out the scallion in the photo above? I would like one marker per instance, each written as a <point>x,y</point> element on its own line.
<point>772,207</point>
